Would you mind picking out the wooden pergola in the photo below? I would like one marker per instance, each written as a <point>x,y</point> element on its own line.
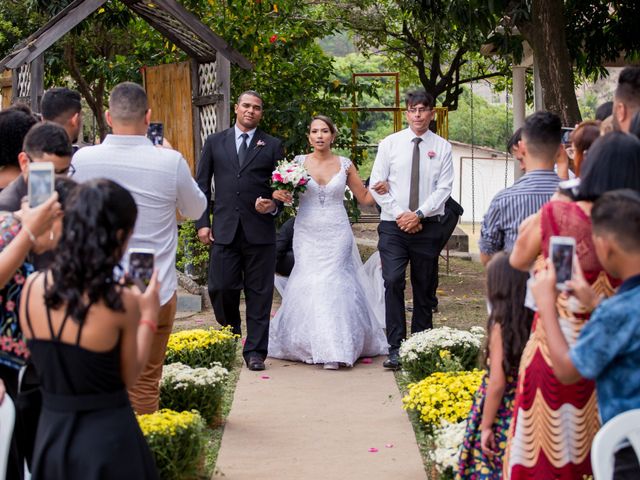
<point>210,59</point>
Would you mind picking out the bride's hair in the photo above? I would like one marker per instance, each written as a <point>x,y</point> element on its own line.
<point>328,121</point>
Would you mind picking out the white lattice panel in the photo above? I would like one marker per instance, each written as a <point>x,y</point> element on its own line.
<point>24,81</point>
<point>207,121</point>
<point>207,78</point>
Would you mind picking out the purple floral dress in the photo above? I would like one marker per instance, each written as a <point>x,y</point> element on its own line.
<point>13,349</point>
<point>473,464</point>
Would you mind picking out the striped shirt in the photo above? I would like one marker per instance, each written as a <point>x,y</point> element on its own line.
<point>511,206</point>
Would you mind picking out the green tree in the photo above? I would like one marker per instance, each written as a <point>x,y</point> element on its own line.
<point>492,124</point>
<point>436,39</point>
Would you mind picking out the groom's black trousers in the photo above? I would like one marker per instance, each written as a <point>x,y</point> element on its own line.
<point>397,249</point>
<point>243,265</point>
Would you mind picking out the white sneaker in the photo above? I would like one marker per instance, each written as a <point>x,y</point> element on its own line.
<point>331,366</point>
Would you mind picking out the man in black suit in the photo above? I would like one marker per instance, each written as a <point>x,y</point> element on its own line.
<point>239,161</point>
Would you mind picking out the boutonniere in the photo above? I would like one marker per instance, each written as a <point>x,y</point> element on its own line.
<point>431,154</point>
<point>260,143</point>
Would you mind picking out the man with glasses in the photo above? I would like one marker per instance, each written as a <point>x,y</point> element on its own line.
<point>45,142</point>
<point>418,166</point>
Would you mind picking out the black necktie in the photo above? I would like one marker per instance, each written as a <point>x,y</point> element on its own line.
<point>242,151</point>
<point>414,189</point>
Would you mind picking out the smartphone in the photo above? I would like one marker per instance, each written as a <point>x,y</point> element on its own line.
<point>155,133</point>
<point>566,135</point>
<point>562,250</point>
<point>40,185</point>
<point>141,266</point>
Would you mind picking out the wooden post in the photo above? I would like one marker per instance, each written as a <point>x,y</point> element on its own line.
<point>37,83</point>
<point>6,89</point>
<point>223,79</point>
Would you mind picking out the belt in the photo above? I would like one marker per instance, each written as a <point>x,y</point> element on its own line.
<point>84,403</point>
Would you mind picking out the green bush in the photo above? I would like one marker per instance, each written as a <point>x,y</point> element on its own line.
<point>192,257</point>
<point>186,388</point>
<point>202,347</point>
<point>441,349</point>
<point>177,441</point>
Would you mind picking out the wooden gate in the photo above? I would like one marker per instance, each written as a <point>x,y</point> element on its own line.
<point>169,92</point>
<point>191,99</point>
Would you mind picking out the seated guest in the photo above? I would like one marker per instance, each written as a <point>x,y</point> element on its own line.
<point>608,348</point>
<point>284,248</point>
<point>15,122</point>
<point>45,142</point>
<point>89,338</point>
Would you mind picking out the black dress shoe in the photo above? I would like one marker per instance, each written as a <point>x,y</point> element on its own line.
<point>434,309</point>
<point>392,362</point>
<point>255,364</point>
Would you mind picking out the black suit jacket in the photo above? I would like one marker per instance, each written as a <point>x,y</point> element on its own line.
<point>237,188</point>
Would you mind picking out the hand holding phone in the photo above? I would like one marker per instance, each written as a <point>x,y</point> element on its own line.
<point>40,185</point>
<point>561,252</point>
<point>155,133</point>
<point>141,266</point>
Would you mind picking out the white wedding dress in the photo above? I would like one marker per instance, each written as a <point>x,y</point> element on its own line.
<point>329,312</point>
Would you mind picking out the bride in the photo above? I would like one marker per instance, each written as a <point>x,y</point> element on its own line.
<point>326,315</point>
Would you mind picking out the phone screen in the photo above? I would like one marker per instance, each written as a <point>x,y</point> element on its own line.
<point>562,257</point>
<point>140,268</point>
<point>155,133</point>
<point>566,135</point>
<point>40,186</point>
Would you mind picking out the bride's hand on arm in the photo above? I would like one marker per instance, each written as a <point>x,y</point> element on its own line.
<point>356,185</point>
<point>283,195</point>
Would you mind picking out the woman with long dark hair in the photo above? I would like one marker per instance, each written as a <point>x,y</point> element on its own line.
<point>508,328</point>
<point>89,337</point>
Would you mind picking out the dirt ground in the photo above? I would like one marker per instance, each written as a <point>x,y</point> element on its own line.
<point>460,292</point>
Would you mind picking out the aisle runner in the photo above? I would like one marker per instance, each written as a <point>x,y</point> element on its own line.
<point>301,422</point>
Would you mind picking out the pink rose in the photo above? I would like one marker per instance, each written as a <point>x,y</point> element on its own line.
<point>277,177</point>
<point>431,153</point>
<point>303,181</point>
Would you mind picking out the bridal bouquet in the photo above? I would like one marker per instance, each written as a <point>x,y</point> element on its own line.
<point>290,176</point>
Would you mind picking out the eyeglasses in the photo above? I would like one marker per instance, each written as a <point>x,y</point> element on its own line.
<point>68,171</point>
<point>414,110</point>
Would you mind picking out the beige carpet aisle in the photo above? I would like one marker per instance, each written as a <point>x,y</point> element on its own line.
<point>306,423</point>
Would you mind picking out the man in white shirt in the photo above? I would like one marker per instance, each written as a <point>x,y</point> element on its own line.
<point>417,165</point>
<point>160,181</point>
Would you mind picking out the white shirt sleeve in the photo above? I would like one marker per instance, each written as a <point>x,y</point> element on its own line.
<point>191,202</point>
<point>380,172</point>
<point>443,184</point>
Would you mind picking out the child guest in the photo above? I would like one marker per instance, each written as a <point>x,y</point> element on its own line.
<point>507,332</point>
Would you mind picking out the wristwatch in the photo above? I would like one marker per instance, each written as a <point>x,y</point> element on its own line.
<point>419,214</point>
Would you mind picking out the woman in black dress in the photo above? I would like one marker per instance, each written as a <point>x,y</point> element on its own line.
<point>89,338</point>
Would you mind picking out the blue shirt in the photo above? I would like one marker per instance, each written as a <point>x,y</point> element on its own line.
<point>511,206</point>
<point>608,351</point>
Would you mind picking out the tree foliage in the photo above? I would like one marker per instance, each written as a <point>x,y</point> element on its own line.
<point>438,39</point>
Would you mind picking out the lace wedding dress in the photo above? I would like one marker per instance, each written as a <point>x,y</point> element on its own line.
<point>328,313</point>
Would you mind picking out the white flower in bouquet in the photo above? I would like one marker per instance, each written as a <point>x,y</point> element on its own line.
<point>291,176</point>
<point>448,439</point>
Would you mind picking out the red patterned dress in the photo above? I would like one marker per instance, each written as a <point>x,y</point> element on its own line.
<point>554,424</point>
